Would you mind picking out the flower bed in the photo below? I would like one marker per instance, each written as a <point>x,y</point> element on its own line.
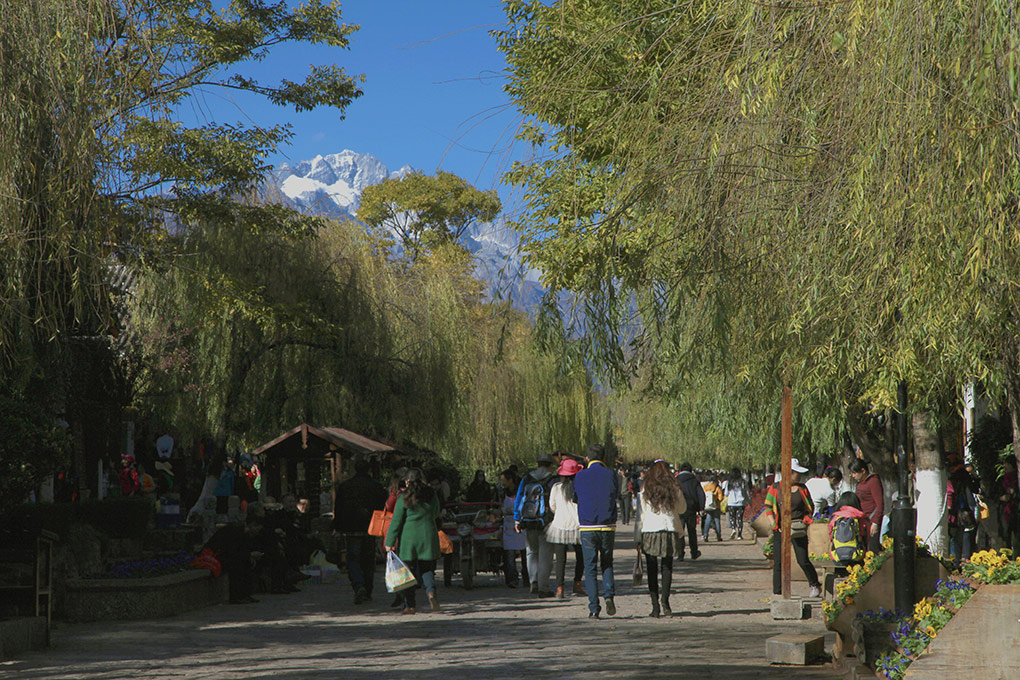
<point>155,566</point>
<point>912,635</point>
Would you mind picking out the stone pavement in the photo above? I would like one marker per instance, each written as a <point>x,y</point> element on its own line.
<point>720,624</point>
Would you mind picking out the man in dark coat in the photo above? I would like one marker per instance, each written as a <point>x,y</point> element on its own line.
<point>356,500</point>
<point>694,494</point>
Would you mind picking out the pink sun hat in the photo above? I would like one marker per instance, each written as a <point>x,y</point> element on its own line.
<point>569,467</point>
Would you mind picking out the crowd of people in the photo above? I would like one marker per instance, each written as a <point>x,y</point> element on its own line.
<point>570,505</point>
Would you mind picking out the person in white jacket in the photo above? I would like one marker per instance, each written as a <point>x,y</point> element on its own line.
<point>564,531</point>
<point>662,507</point>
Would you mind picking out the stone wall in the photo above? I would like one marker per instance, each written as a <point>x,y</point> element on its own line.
<point>142,598</point>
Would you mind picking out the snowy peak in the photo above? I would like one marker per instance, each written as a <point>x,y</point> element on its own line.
<point>332,185</point>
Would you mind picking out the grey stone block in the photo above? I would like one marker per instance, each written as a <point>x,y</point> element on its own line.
<point>790,610</point>
<point>797,649</point>
<point>855,670</point>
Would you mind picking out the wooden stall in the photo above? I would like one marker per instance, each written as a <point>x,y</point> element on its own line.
<point>309,460</point>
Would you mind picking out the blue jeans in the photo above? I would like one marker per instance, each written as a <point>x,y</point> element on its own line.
<point>597,547</point>
<point>711,520</point>
<point>361,562</point>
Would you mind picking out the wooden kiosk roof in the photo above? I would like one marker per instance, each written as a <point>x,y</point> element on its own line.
<point>308,441</point>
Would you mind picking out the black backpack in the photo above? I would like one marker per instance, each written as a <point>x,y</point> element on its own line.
<point>535,512</point>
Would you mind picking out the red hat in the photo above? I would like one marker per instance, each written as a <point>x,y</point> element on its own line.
<point>569,467</point>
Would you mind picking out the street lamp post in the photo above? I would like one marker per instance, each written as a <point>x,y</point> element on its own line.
<point>904,515</point>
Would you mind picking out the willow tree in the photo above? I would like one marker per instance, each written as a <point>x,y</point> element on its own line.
<point>779,191</point>
<point>96,164</point>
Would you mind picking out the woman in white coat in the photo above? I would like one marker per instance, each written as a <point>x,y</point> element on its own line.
<point>662,506</point>
<point>564,532</point>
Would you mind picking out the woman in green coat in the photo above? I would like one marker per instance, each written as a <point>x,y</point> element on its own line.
<point>414,536</point>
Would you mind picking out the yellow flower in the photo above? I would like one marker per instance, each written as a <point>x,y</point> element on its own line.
<point>930,631</point>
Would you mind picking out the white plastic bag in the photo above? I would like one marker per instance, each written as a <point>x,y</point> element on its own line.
<point>398,575</point>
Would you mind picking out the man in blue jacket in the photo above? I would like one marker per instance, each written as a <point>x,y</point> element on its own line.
<point>596,489</point>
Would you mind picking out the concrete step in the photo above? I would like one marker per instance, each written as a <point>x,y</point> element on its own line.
<point>795,649</point>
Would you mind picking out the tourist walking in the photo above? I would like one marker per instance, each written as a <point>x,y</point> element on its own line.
<point>532,515</point>
<point>356,500</point>
<point>695,497</point>
<point>962,508</point>
<point>563,533</point>
<point>414,537</point>
<point>597,490</point>
<point>513,542</point>
<point>662,509</point>
<point>736,499</point>
<point>1009,496</point>
<point>712,518</point>
<point>872,495</point>
<point>801,511</point>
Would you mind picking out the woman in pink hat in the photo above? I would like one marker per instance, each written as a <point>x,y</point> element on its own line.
<point>564,531</point>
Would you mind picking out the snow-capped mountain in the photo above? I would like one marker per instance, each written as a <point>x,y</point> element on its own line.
<point>332,185</point>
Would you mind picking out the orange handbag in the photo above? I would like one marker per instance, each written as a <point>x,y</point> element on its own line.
<point>380,523</point>
<point>445,544</point>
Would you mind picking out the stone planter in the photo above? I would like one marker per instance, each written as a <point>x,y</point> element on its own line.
<point>142,598</point>
<point>981,641</point>
<point>871,640</point>
<point>879,591</point>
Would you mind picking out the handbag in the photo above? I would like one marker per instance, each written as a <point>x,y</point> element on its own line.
<point>445,544</point>
<point>379,525</point>
<point>639,573</point>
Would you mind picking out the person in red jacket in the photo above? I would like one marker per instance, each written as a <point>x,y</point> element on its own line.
<point>872,495</point>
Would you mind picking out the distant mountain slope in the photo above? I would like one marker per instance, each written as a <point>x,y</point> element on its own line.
<point>332,185</point>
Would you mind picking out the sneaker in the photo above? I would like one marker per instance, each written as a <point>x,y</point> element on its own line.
<point>579,588</point>
<point>610,606</point>
<point>533,589</point>
<point>434,601</point>
<point>593,615</point>
<point>816,591</point>
<point>733,534</point>
<point>408,611</point>
<point>696,555</point>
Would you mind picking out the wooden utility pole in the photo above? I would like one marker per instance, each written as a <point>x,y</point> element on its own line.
<point>785,488</point>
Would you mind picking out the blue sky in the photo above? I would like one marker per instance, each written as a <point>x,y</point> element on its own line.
<point>432,98</point>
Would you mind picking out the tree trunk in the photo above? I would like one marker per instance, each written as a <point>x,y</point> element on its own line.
<point>932,520</point>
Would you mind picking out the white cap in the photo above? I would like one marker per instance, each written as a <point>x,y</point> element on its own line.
<point>797,467</point>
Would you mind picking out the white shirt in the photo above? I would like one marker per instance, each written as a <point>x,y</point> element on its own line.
<point>564,509</point>
<point>820,490</point>
<point>652,521</point>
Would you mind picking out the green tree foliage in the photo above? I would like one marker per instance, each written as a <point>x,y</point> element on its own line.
<point>425,212</point>
<point>752,191</point>
<point>247,333</point>
<point>95,163</point>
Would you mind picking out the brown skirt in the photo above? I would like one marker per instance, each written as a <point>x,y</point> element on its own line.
<point>660,544</point>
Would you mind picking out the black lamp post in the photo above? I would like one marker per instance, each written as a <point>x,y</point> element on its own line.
<point>904,515</point>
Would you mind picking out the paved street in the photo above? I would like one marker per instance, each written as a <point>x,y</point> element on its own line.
<point>718,631</point>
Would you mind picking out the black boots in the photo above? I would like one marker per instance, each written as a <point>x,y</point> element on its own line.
<point>667,583</point>
<point>655,604</point>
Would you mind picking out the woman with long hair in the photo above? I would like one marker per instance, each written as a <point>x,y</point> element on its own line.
<point>513,543</point>
<point>564,531</point>
<point>736,498</point>
<point>413,535</point>
<point>662,506</point>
